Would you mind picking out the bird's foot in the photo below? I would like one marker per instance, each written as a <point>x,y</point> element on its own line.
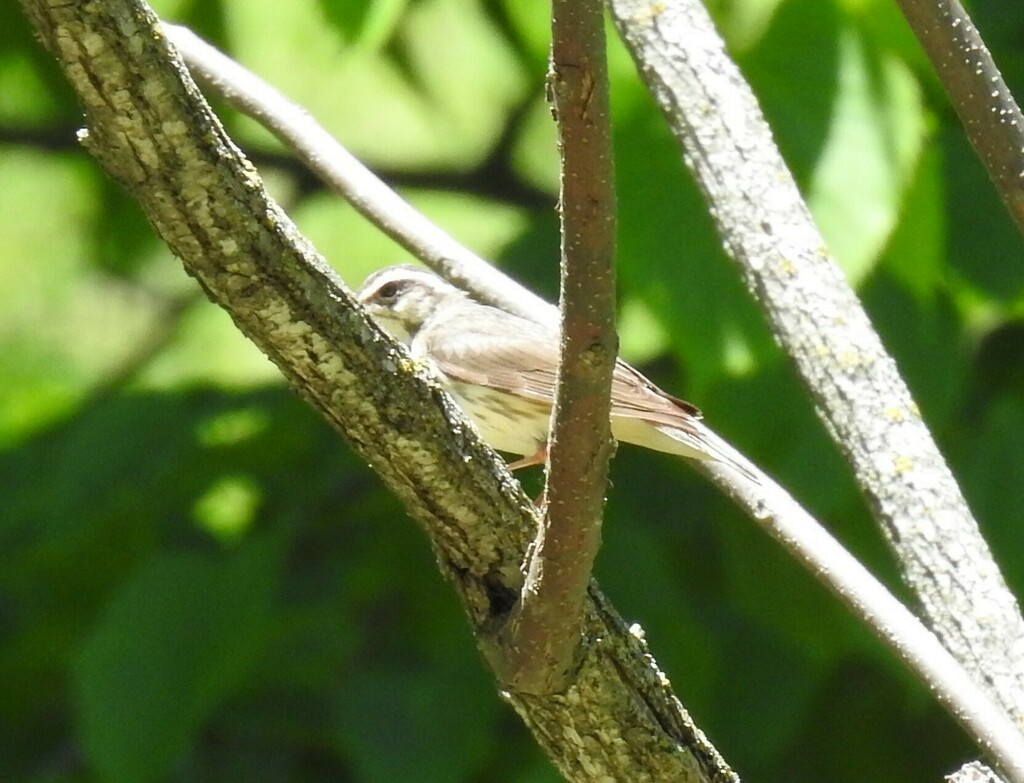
<point>539,457</point>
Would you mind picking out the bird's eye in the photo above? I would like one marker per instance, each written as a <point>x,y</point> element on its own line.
<point>388,290</point>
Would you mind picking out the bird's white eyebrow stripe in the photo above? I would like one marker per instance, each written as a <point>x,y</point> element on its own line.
<point>401,274</point>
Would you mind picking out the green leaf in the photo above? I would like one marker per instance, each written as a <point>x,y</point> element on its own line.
<point>877,133</point>
<point>916,254</point>
<point>850,117</point>
<point>440,96</point>
<point>984,248</point>
<point>368,24</point>
<point>922,335</point>
<point>176,641</point>
<point>671,257</point>
<point>396,725</point>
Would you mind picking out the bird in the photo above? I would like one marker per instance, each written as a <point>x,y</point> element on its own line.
<point>501,368</point>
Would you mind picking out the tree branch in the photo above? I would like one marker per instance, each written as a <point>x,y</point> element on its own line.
<point>985,105</point>
<point>542,638</point>
<point>973,772</point>
<point>816,317</point>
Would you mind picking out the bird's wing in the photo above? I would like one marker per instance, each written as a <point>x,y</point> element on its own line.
<point>634,396</point>
<point>489,347</point>
<point>508,353</point>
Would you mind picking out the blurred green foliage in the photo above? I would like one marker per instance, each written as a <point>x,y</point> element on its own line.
<point>200,582</point>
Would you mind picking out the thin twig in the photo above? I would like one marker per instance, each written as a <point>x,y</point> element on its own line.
<point>973,772</point>
<point>543,633</point>
<point>811,544</point>
<point>987,109</point>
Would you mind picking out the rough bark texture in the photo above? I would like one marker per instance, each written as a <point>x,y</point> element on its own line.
<point>149,127</point>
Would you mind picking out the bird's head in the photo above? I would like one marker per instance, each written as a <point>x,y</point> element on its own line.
<point>402,298</point>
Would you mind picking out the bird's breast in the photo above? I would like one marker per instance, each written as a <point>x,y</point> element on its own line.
<point>506,421</point>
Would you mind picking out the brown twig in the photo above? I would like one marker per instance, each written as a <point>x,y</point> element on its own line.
<point>543,634</point>
<point>991,117</point>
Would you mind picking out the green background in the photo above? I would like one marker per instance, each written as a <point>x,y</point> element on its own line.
<point>200,581</point>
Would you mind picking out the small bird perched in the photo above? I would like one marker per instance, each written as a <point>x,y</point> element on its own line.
<point>501,369</point>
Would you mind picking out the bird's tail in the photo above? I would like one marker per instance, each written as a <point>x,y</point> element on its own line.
<point>698,441</point>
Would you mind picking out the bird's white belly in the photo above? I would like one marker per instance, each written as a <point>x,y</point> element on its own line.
<point>507,422</point>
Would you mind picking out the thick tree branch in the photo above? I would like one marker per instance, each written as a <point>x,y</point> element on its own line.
<point>543,634</point>
<point>149,127</point>
<point>991,117</point>
<point>816,317</point>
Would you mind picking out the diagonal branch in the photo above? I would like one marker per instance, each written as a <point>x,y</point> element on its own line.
<point>812,545</point>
